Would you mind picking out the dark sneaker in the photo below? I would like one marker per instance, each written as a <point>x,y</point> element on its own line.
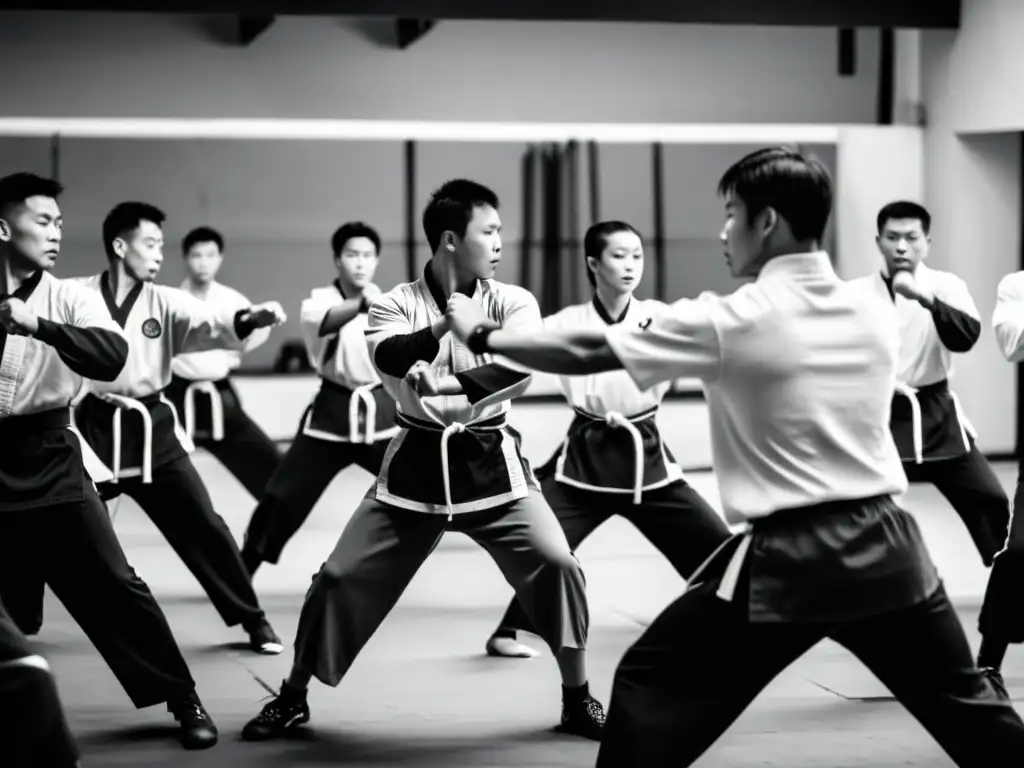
<point>582,717</point>
<point>285,712</point>
<point>197,730</point>
<point>264,640</point>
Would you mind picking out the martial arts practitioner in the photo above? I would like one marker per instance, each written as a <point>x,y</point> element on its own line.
<point>454,466</point>
<point>937,319</point>
<point>351,418</point>
<point>201,388</point>
<point>1001,620</point>
<point>134,430</point>
<point>53,527</point>
<point>613,460</point>
<point>799,369</point>
<point>37,732</point>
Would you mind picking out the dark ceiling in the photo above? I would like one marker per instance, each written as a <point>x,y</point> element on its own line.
<point>911,14</point>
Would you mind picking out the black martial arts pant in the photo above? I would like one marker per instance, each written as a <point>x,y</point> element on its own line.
<point>35,731</point>
<point>383,547</point>
<point>297,484</point>
<point>675,519</point>
<point>180,506</point>
<point>1002,612</point>
<point>73,548</point>
<point>245,450</point>
<point>973,490</point>
<point>702,662</point>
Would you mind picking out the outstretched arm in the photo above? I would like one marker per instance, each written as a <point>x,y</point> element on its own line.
<point>682,341</point>
<point>194,326</point>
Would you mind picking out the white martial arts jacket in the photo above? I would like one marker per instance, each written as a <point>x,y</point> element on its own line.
<point>200,388</point>
<point>457,453</point>
<point>927,421</point>
<point>129,424</point>
<point>39,377</point>
<point>351,405</point>
<point>613,444</point>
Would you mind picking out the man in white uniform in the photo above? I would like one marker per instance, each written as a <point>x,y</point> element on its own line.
<point>799,369</point>
<point>201,387</point>
<point>53,527</point>
<point>352,417</point>
<point>134,430</point>
<point>455,465</point>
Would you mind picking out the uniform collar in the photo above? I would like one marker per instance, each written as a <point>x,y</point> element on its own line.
<point>798,264</point>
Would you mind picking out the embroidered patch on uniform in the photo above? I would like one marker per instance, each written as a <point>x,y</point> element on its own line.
<point>151,328</point>
<point>645,324</point>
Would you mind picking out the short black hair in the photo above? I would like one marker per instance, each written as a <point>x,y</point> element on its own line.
<point>347,231</point>
<point>451,209</point>
<point>797,187</point>
<point>904,209</point>
<point>202,235</point>
<point>128,217</point>
<point>596,240</point>
<point>16,188</point>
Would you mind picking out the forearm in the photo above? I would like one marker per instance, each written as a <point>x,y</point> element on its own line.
<point>93,353</point>
<point>569,353</point>
<point>958,331</point>
<point>1010,336</point>
<point>339,316</point>
<point>395,355</point>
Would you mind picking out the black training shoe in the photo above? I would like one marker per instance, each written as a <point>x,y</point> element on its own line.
<point>995,677</point>
<point>582,717</point>
<point>284,713</point>
<point>264,640</point>
<point>197,730</point>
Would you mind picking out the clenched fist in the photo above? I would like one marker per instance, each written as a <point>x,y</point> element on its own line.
<point>17,319</point>
<point>464,315</point>
<point>267,314</point>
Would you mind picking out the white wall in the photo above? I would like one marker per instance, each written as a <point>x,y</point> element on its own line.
<point>875,165</point>
<point>985,62</point>
<point>972,186</point>
<point>148,65</point>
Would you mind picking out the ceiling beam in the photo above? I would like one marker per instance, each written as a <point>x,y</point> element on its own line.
<point>896,14</point>
<point>251,27</point>
<point>408,31</point>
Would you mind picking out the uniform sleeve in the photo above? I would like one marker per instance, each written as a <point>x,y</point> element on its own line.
<point>501,379</point>
<point>196,326</point>
<point>258,336</point>
<point>679,341</point>
<point>393,343</point>
<point>311,316</point>
<point>1008,317</point>
<point>956,318</point>
<point>89,341</point>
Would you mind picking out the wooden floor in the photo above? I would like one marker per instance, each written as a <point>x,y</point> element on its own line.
<point>423,694</point>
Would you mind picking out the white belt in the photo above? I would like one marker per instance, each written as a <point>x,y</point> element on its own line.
<point>216,409</point>
<point>450,430</point>
<point>33,662</point>
<point>616,419</point>
<point>127,403</point>
<point>364,395</point>
<point>731,576</point>
<point>915,420</point>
